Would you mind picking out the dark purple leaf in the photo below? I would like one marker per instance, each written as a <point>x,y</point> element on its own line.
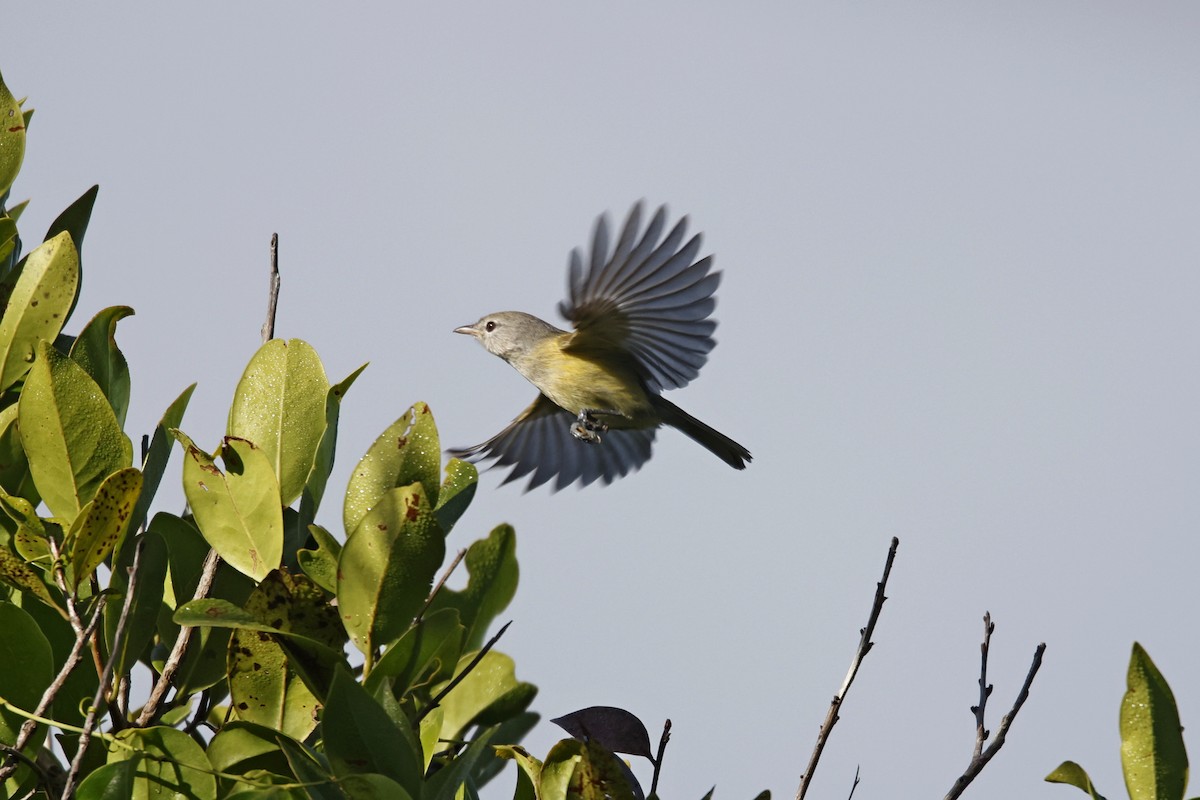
<point>614,728</point>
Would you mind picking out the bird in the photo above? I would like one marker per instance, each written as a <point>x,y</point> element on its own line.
<point>640,313</point>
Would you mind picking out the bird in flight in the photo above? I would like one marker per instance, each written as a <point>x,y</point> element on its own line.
<point>641,318</point>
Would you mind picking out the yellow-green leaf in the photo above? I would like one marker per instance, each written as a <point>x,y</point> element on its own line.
<point>1152,752</point>
<point>70,433</point>
<point>37,309</point>
<point>106,522</point>
<point>407,452</point>
<point>16,573</point>
<point>95,349</point>
<point>387,567</point>
<point>237,510</point>
<point>12,138</point>
<point>279,405</point>
<point>170,764</point>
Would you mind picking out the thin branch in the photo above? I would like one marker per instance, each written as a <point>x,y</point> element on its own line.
<point>982,756</point>
<point>181,643</point>
<point>854,785</point>
<point>662,748</point>
<point>441,582</point>
<point>457,679</point>
<point>985,688</point>
<point>864,647</point>
<point>89,723</point>
<point>268,328</point>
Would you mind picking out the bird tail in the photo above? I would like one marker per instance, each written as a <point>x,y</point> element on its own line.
<point>713,440</point>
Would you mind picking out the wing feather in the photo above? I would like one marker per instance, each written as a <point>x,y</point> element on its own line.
<point>647,298</point>
<point>539,441</point>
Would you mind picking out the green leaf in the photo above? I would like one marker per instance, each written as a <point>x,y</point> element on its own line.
<point>429,649</point>
<point>314,488</point>
<point>159,453</point>
<point>447,782</point>
<point>186,550</point>
<point>17,574</point>
<point>489,694</point>
<point>74,219</point>
<point>204,663</point>
<point>70,433</point>
<point>75,696</point>
<point>600,775</point>
<point>310,768</point>
<point>9,241</point>
<point>15,478</point>
<point>513,729</point>
<point>237,510</point>
<point>28,669</point>
<point>360,738</point>
<point>321,564</point>
<point>37,309</point>
<point>104,522</point>
<point>95,349</point>
<point>492,564</point>
<point>286,616</point>
<point>1071,773</point>
<point>264,685</point>
<point>12,138</point>
<point>407,452</point>
<point>241,747</point>
<point>373,787</point>
<point>387,567</point>
<point>559,768</point>
<point>1152,751</point>
<point>279,405</point>
<point>143,609</point>
<point>115,781</point>
<point>462,478</point>
<point>169,764</point>
<point>529,774</point>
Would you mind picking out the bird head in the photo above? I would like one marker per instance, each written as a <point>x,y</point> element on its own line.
<point>509,334</point>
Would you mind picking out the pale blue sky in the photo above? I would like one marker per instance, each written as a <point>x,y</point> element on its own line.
<point>961,259</point>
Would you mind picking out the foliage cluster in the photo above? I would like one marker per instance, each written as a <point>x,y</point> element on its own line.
<point>268,657</point>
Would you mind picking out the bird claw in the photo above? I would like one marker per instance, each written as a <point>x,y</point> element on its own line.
<point>587,428</point>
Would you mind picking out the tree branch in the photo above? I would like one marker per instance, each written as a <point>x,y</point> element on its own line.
<point>982,756</point>
<point>181,642</point>
<point>457,679</point>
<point>268,328</point>
<point>89,723</point>
<point>864,647</point>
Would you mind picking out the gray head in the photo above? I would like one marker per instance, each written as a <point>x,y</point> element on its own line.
<point>510,334</point>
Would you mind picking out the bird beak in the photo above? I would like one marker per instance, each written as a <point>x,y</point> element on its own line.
<point>470,330</point>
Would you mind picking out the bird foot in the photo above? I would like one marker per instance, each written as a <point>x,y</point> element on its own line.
<point>587,428</point>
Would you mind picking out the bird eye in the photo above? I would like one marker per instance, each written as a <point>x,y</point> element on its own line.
<point>490,326</point>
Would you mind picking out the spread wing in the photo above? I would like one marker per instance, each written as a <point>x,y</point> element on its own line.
<point>649,299</point>
<point>539,441</point>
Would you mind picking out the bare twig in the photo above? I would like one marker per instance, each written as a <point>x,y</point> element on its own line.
<point>457,679</point>
<point>853,786</point>
<point>441,582</point>
<point>89,722</point>
<point>985,688</point>
<point>662,748</point>
<point>864,647</point>
<point>982,756</point>
<point>268,328</point>
<point>181,642</point>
